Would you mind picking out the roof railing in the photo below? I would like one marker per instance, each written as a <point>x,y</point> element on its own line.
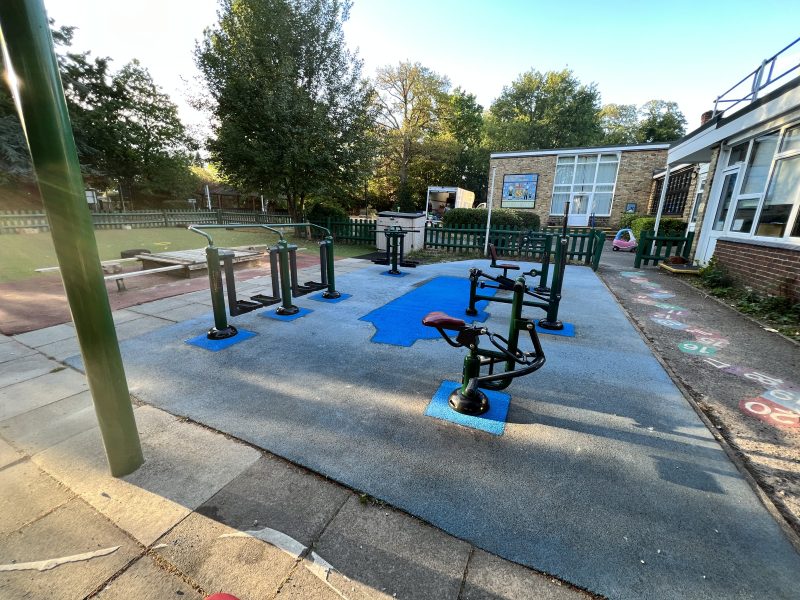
<point>770,71</point>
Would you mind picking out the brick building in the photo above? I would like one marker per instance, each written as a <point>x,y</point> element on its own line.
<point>600,183</point>
<point>748,215</point>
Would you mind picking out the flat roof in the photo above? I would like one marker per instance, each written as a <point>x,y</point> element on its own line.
<point>594,149</point>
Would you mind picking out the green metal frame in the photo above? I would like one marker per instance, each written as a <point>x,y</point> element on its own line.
<point>28,48</point>
<point>657,248</point>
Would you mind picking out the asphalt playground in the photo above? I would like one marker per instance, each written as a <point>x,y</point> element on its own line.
<point>602,475</point>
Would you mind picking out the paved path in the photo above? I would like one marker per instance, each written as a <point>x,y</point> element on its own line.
<point>205,513</point>
<point>605,477</point>
<point>745,378</point>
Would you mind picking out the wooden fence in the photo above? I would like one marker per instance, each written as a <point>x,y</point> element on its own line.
<point>24,222</point>
<point>660,247</point>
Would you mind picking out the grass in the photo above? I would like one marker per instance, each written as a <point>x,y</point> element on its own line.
<point>22,254</point>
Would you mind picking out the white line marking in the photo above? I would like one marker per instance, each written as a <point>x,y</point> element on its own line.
<point>51,563</point>
<point>272,536</point>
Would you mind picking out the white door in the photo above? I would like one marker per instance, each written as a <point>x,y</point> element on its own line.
<point>579,210</point>
<point>715,221</point>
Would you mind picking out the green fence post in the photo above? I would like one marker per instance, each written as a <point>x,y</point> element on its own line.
<point>687,245</point>
<point>640,249</point>
<point>25,37</point>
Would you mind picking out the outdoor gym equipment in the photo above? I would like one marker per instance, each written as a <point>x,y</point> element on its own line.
<point>548,299</point>
<point>542,273</point>
<point>283,271</point>
<point>469,399</point>
<point>395,237</point>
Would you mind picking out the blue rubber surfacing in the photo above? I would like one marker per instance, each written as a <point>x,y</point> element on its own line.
<point>492,421</point>
<point>320,298</point>
<point>399,322</point>
<point>201,341</point>
<point>271,314</point>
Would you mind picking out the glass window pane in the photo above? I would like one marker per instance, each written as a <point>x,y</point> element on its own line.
<point>584,171</point>
<point>604,188</point>
<point>725,200</point>
<point>744,215</point>
<point>791,141</point>
<point>564,173</point>
<point>557,205</point>
<point>783,192</point>
<point>566,160</point>
<point>697,197</point>
<point>602,204</point>
<point>755,179</point>
<point>738,153</point>
<point>609,157</point>
<point>607,173</point>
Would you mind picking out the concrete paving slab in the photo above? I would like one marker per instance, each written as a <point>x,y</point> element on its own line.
<point>187,311</point>
<point>304,585</point>
<point>245,567</point>
<point>8,454</point>
<point>26,493</point>
<point>41,428</point>
<point>120,316</point>
<point>14,349</point>
<point>48,335</point>
<point>159,306</point>
<point>385,553</point>
<point>602,462</point>
<point>27,367</point>
<point>4,339</point>
<point>70,530</point>
<point>137,327</point>
<point>39,391</point>
<point>171,483</point>
<point>145,580</point>
<point>492,578</point>
<point>276,494</point>
<point>61,349</point>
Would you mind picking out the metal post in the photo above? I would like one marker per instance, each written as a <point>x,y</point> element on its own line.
<point>489,215</point>
<point>28,49</point>
<point>394,238</point>
<point>221,329</point>
<point>661,199</point>
<point>545,271</point>
<point>286,308</point>
<point>331,291</point>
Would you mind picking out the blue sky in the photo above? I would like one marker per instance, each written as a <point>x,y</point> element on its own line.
<point>684,51</point>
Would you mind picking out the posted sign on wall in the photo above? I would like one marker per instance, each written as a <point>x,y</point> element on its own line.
<point>519,191</point>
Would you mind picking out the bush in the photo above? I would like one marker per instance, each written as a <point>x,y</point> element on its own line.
<point>666,227</point>
<point>501,217</point>
<point>322,209</point>
<point>715,277</point>
<point>627,219</point>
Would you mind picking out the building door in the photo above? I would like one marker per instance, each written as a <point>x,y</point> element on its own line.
<point>579,210</point>
<point>698,196</point>
<point>716,219</point>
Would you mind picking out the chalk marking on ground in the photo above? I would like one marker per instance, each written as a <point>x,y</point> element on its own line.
<point>52,563</point>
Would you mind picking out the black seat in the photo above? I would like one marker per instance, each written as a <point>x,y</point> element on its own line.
<point>505,266</point>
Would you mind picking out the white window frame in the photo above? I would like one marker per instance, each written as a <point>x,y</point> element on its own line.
<point>737,195</point>
<point>594,183</point>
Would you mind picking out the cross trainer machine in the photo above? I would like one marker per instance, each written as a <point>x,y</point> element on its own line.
<point>469,399</point>
<point>548,299</point>
<point>395,240</point>
<point>283,271</point>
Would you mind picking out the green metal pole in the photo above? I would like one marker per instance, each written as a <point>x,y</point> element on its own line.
<point>221,329</point>
<point>331,291</point>
<point>28,49</point>
<point>286,308</point>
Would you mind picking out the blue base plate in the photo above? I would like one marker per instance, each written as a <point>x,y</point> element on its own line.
<point>319,298</point>
<point>568,331</point>
<point>201,341</point>
<point>492,421</point>
<point>271,314</point>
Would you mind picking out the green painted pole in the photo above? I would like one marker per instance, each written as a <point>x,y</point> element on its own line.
<point>286,308</point>
<point>28,48</point>
<point>331,291</point>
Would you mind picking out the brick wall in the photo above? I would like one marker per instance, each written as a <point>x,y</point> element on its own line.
<point>770,271</point>
<point>634,179</point>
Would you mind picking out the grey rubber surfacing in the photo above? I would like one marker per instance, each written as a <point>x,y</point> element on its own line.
<point>605,476</point>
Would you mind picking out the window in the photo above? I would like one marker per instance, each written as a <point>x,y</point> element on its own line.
<point>725,200</point>
<point>783,193</point>
<point>701,185</point>
<point>590,175</point>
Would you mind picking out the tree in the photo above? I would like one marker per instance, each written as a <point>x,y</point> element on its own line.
<point>463,121</point>
<point>620,123</point>
<point>410,98</point>
<point>291,109</point>
<point>545,110</point>
<point>660,121</point>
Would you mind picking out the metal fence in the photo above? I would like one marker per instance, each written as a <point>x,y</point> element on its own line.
<point>29,222</point>
<point>350,231</point>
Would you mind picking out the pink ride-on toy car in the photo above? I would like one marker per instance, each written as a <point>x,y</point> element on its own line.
<point>624,240</point>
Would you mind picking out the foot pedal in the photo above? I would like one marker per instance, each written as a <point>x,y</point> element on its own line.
<point>244,306</point>
<point>265,300</point>
<point>380,261</point>
<point>411,264</point>
<point>315,285</point>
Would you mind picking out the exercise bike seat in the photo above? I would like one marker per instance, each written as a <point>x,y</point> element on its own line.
<point>441,320</point>
<point>496,265</point>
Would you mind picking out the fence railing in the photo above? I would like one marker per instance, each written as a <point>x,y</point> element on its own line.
<point>657,248</point>
<point>23,222</point>
<point>350,231</point>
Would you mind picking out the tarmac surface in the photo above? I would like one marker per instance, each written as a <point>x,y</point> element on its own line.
<point>605,476</point>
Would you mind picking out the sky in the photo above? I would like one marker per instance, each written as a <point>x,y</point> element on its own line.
<point>688,52</point>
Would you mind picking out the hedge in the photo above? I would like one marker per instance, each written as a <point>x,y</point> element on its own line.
<point>321,210</point>
<point>476,217</point>
<point>666,227</point>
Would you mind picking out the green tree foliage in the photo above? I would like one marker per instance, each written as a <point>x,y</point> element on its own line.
<point>660,121</point>
<point>291,109</point>
<point>620,123</point>
<point>545,110</point>
<point>410,99</point>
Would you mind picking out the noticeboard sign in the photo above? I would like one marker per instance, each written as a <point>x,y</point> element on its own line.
<point>519,191</point>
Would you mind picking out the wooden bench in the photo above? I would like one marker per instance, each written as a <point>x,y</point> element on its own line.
<point>121,277</point>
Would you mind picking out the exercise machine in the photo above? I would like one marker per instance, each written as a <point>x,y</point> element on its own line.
<point>468,398</point>
<point>395,240</point>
